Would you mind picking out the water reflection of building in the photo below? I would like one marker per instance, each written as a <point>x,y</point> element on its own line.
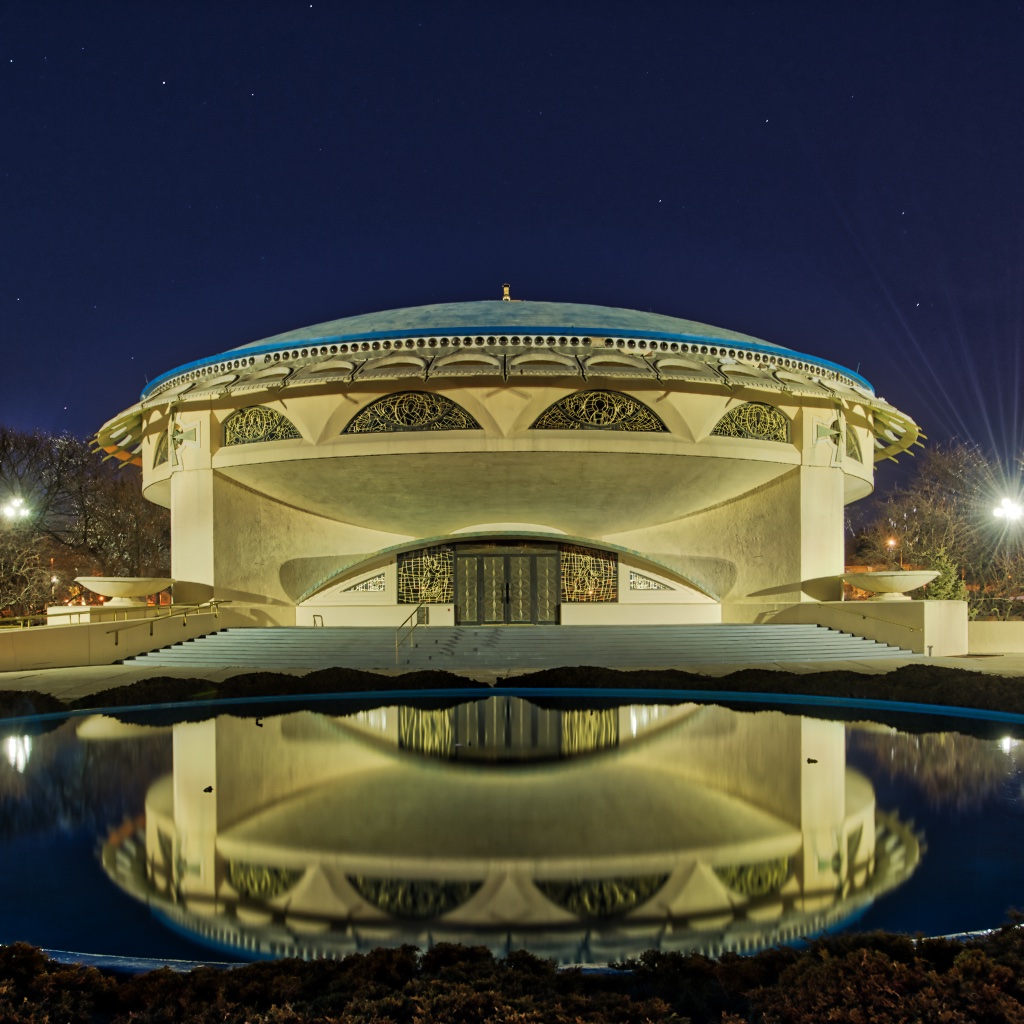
<point>697,828</point>
<point>505,729</point>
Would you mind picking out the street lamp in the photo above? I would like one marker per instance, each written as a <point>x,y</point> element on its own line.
<point>1008,509</point>
<point>16,509</point>
<point>891,545</point>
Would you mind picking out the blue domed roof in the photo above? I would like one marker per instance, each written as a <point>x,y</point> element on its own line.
<point>499,323</point>
<point>497,316</point>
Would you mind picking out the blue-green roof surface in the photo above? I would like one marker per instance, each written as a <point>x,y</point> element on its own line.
<point>496,315</point>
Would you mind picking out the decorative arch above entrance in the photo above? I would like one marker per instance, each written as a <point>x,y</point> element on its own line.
<point>494,579</point>
<point>507,582</point>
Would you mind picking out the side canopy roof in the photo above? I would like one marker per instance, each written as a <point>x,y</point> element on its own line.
<point>508,339</point>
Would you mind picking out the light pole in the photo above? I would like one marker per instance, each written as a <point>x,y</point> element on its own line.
<point>1008,509</point>
<point>15,509</point>
<point>891,545</point>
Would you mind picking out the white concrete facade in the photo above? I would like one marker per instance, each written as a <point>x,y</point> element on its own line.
<point>686,521</point>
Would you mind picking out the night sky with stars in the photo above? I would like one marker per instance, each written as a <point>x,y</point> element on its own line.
<point>844,179</point>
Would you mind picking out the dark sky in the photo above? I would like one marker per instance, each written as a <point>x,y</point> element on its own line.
<point>843,178</point>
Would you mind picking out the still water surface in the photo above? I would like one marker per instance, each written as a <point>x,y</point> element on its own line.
<point>584,835</point>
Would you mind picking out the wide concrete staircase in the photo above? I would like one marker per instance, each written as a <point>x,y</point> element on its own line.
<point>458,649</point>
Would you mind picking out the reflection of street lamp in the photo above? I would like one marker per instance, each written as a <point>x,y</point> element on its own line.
<point>16,509</point>
<point>1008,509</point>
<point>891,545</point>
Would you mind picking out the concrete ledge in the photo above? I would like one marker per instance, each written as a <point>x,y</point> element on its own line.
<point>935,628</point>
<point>105,643</point>
<point>995,637</point>
<point>640,614</point>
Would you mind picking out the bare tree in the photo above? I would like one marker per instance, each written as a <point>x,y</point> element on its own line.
<point>942,517</point>
<point>87,516</point>
<point>24,575</point>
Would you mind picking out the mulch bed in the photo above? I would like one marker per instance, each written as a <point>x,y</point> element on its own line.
<point>923,684</point>
<point>848,979</point>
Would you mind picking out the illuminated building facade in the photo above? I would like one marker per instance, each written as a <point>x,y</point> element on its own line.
<point>508,462</point>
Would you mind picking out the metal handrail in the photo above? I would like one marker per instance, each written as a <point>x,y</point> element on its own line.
<point>401,637</point>
<point>21,621</point>
<point>886,622</point>
<point>213,605</point>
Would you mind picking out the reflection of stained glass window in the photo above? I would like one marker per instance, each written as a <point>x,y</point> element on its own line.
<point>410,410</point>
<point>425,576</point>
<point>756,879</point>
<point>583,731</point>
<point>259,881</point>
<point>374,585</point>
<point>426,731</point>
<point>258,423</point>
<point>602,897</point>
<point>598,410</point>
<point>589,575</point>
<point>755,420</point>
<point>413,897</point>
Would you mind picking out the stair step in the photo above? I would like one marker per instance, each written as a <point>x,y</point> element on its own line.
<point>503,647</point>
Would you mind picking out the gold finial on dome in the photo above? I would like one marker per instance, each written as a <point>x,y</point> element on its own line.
<point>505,297</point>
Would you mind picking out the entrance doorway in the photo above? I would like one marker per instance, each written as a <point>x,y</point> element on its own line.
<point>506,584</point>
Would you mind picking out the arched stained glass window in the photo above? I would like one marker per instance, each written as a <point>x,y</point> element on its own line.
<point>258,423</point>
<point>426,576</point>
<point>598,410</point>
<point>410,410</point>
<point>374,585</point>
<point>160,453</point>
<point>588,574</point>
<point>638,581</point>
<point>853,445</point>
<point>754,420</point>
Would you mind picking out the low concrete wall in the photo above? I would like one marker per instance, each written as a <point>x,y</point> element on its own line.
<point>104,643</point>
<point>995,637</point>
<point>390,615</point>
<point>934,628</point>
<point>599,613</point>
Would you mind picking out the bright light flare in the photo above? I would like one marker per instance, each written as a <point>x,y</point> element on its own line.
<point>19,749</point>
<point>1008,509</point>
<point>16,509</point>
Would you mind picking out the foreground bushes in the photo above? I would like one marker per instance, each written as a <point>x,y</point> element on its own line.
<point>867,978</point>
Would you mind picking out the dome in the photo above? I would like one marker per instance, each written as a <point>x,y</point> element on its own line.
<point>498,316</point>
<point>499,326</point>
<point>532,343</point>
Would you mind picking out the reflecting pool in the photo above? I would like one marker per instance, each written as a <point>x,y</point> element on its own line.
<point>583,834</point>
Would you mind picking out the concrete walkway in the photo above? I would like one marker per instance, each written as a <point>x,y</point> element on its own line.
<point>70,683</point>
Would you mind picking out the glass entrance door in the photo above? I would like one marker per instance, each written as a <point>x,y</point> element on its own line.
<point>506,585</point>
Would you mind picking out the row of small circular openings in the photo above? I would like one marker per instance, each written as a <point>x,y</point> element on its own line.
<point>631,343</point>
<point>216,368</point>
<point>491,340</point>
<point>376,346</point>
<point>711,350</point>
<point>479,341</point>
<point>324,350</point>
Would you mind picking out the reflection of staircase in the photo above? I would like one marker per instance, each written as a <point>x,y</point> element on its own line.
<point>503,647</point>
